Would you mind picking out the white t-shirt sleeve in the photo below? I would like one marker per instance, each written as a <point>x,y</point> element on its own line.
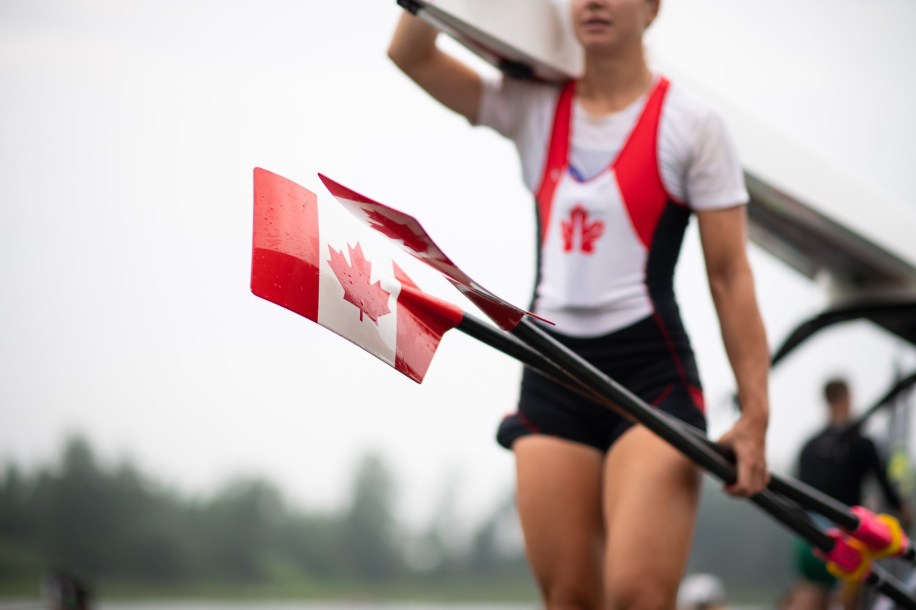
<point>523,112</point>
<point>714,176</point>
<point>498,105</point>
<point>699,161</point>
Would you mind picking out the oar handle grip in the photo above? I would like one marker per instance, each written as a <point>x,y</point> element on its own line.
<point>849,558</point>
<point>882,534</point>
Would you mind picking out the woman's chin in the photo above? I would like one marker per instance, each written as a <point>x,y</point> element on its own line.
<point>598,47</point>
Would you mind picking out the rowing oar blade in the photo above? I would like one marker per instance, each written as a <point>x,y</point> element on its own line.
<point>404,230</point>
<point>310,259</point>
<point>407,233</point>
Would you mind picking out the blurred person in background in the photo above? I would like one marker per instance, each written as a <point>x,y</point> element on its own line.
<point>837,461</point>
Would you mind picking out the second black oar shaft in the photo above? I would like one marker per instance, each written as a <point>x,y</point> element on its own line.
<point>569,366</point>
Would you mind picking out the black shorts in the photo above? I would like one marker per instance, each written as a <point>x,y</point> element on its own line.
<point>646,358</point>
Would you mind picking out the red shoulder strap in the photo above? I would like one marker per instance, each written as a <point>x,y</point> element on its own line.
<point>637,168</point>
<point>557,156</point>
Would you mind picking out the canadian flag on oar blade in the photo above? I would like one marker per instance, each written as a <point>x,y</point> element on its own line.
<point>310,259</point>
<point>404,230</point>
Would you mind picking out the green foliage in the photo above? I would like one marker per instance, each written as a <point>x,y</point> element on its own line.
<point>369,531</point>
<point>750,552</point>
<point>117,528</point>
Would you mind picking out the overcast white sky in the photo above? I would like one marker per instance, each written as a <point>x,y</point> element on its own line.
<point>128,133</point>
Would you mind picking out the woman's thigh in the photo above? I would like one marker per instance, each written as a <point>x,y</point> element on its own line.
<point>651,494</point>
<point>559,504</point>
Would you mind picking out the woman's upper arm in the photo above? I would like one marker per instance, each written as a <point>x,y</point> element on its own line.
<point>723,233</point>
<point>717,194</point>
<point>455,85</point>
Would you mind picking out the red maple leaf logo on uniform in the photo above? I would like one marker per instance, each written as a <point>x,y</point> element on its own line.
<point>370,298</point>
<point>579,223</point>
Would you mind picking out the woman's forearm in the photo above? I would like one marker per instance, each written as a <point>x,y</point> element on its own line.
<point>413,42</point>
<point>745,340</point>
<point>413,49</point>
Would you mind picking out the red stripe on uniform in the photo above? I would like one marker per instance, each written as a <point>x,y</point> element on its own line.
<point>663,395</point>
<point>557,157</point>
<point>640,181</point>
<point>696,395</point>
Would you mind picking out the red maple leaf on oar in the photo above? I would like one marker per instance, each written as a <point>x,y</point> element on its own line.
<point>370,299</point>
<point>396,230</point>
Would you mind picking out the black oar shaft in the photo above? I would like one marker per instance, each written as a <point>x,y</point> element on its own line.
<point>534,343</point>
<point>883,582</point>
<point>701,454</point>
<point>813,499</point>
<point>806,496</point>
<point>691,446</point>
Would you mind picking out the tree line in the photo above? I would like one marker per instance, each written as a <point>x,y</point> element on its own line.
<point>114,524</point>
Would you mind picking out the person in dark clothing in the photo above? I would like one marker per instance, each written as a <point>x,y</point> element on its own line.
<point>838,461</point>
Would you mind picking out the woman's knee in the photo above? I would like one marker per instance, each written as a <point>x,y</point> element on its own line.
<point>576,597</point>
<point>644,581</point>
<point>640,594</point>
<point>575,584</point>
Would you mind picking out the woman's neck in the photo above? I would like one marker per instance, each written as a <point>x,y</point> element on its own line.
<point>611,83</point>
